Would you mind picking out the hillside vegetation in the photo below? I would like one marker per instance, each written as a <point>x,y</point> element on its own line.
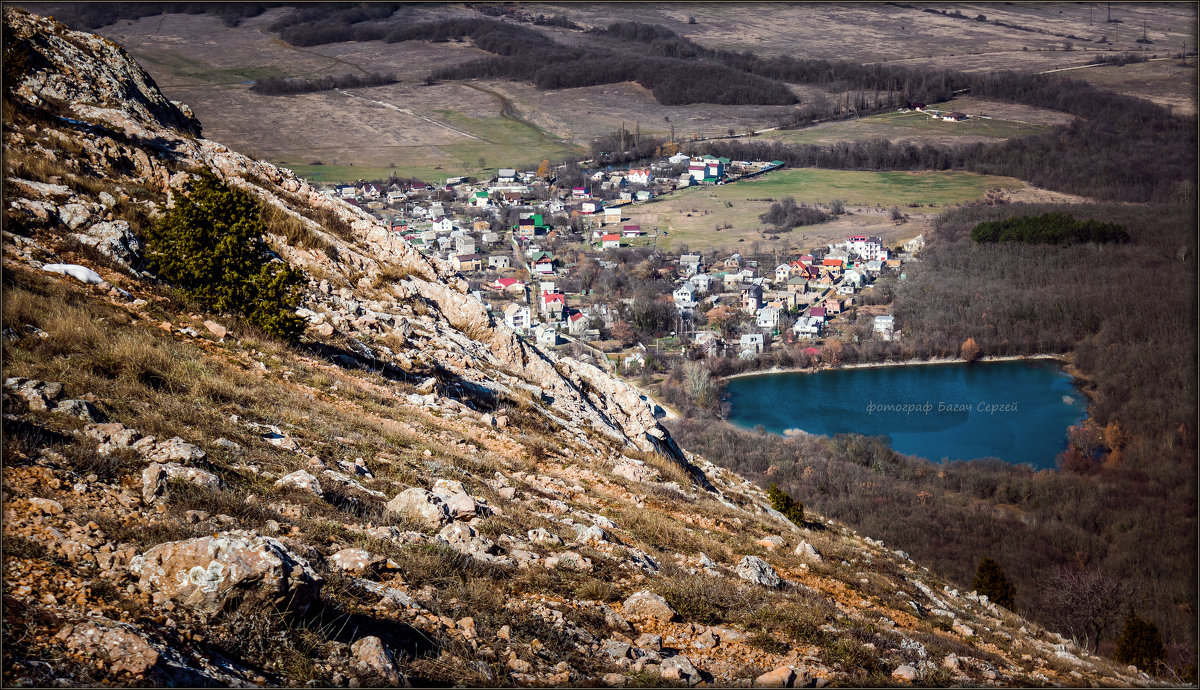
<point>408,494</point>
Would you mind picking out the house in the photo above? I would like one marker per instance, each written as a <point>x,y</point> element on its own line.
<point>866,248</point>
<point>797,284</point>
<point>768,318</point>
<point>808,326</point>
<point>701,281</point>
<point>751,344</point>
<point>916,105</point>
<point>884,326</point>
<point>464,244</point>
<point>587,207</point>
<point>499,262</point>
<point>347,192</point>
<point>490,237</point>
<point>733,262</point>
<point>506,175</point>
<point>679,159</point>
<point>697,169</point>
<point>640,176</point>
<point>644,195</point>
<point>579,192</point>
<point>517,317</point>
<point>465,262</point>
<point>873,267</point>
<point>612,216</point>
<point>752,299</point>
<point>481,225</point>
<point>543,263</point>
<point>689,264</point>
<point>631,231</point>
<point>855,278</point>
<point>547,336</point>
<point>395,197</point>
<point>954,116</point>
<point>684,180</point>
<point>915,245</point>
<point>892,263</point>
<point>817,312</point>
<point>553,305</point>
<point>685,294</point>
<point>782,273</point>
<point>480,199</point>
<point>508,285</point>
<point>443,224</point>
<point>612,241</point>
<point>577,324</point>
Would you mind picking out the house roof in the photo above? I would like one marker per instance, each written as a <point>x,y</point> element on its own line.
<point>610,238</point>
<point>549,297</point>
<point>508,282</point>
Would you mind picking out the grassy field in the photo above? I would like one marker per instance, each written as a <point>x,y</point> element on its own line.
<point>1162,81</point>
<point>697,217</point>
<point>912,126</point>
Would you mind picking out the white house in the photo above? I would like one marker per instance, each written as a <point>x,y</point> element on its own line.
<point>855,278</point>
<point>885,326</point>
<point>464,244</point>
<point>873,267</point>
<point>768,318</point>
<point>547,336</point>
<point>612,241</point>
<point>499,261</point>
<point>443,224</point>
<point>701,281</point>
<point>751,344</point>
<point>517,317</point>
<point>915,245</point>
<point>612,216</point>
<point>689,264</point>
<point>866,248</point>
<point>678,159</point>
<point>782,273</point>
<point>638,177</point>
<point>808,326</point>
<point>491,237</point>
<point>506,175</point>
<point>684,296</point>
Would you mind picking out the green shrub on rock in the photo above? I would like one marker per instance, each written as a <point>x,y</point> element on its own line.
<point>210,247</point>
<point>784,503</point>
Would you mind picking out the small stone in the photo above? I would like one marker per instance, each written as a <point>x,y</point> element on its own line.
<point>614,680</point>
<point>905,674</point>
<point>781,677</point>
<point>756,570</point>
<point>216,329</point>
<point>47,506</point>
<point>300,479</point>
<point>648,606</point>
<point>81,409</point>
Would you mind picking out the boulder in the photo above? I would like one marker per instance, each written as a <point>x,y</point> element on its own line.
<point>905,674</point>
<point>203,573</point>
<point>680,668</point>
<point>370,655</point>
<point>463,538</point>
<point>806,550</point>
<point>571,560</point>
<point>357,561</point>
<point>302,480</point>
<point>113,239</point>
<point>47,506</point>
<point>461,506</point>
<point>216,329</point>
<point>756,570</point>
<point>541,535</point>
<point>590,535</point>
<point>156,475</point>
<point>781,677</point>
<point>81,409</point>
<point>122,649</point>
<point>420,506</point>
<point>176,450</point>
<point>649,607</point>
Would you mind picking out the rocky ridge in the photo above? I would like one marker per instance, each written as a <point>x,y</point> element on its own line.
<point>415,494</point>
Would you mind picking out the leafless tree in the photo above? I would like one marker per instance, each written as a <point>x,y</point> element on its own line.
<point>1085,601</point>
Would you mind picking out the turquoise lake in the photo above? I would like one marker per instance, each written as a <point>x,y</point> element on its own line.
<point>1018,411</point>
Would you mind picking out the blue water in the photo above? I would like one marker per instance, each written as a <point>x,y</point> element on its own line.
<point>1017,411</point>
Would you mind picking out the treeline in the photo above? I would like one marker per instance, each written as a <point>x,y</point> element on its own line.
<point>1042,527</point>
<point>88,16</point>
<point>1128,311</point>
<point>786,214</point>
<point>1049,228</point>
<point>277,86</point>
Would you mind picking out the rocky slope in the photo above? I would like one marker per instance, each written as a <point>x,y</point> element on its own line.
<point>413,494</point>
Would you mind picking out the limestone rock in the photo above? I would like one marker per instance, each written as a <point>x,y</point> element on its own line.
<point>156,475</point>
<point>756,570</point>
<point>808,551</point>
<point>176,450</point>
<point>905,674</point>
<point>420,506</point>
<point>680,668</point>
<point>354,560</point>
<point>572,560</point>
<point>648,606</point>
<point>46,506</point>
<point>202,573</point>
<point>302,480</point>
<point>370,655</point>
<point>79,408</point>
<point>122,649</point>
<point>781,677</point>
<point>463,538</point>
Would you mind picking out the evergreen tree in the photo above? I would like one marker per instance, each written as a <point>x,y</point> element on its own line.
<point>210,247</point>
<point>1140,643</point>
<point>784,503</point>
<point>990,580</point>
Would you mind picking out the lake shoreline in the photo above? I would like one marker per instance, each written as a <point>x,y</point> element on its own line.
<point>1065,359</point>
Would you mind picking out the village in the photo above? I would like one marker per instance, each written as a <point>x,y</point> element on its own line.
<point>537,253</point>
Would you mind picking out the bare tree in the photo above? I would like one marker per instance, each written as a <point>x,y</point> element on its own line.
<point>1085,602</point>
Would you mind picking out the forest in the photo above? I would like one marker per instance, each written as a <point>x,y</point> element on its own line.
<point>276,86</point>
<point>1048,228</point>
